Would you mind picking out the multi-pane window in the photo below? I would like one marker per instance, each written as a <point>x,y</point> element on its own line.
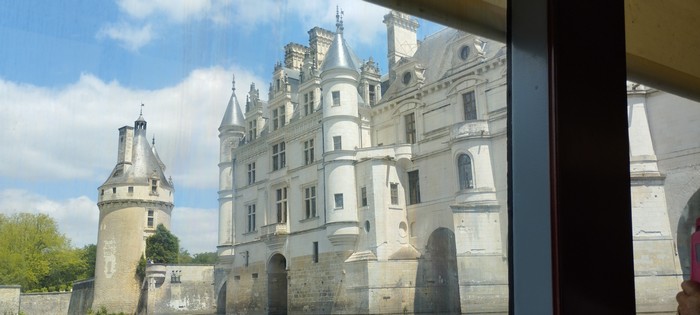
<point>363,196</point>
<point>336,98</point>
<point>154,187</point>
<point>278,156</point>
<point>251,173</point>
<point>338,198</point>
<point>413,188</point>
<point>278,118</point>
<point>464,168</point>
<point>308,103</point>
<point>410,128</point>
<point>282,117</point>
<point>337,143</point>
<point>469,106</point>
<point>281,204</point>
<point>150,218</point>
<point>252,130</point>
<point>394,193</point>
<point>308,151</point>
<point>251,218</point>
<point>372,95</point>
<point>310,201</point>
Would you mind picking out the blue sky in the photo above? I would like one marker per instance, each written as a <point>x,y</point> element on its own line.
<point>73,71</point>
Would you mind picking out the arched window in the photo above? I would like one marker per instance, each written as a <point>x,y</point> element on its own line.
<point>464,167</point>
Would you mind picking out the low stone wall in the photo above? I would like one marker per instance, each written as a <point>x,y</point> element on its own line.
<point>181,289</point>
<point>45,303</point>
<point>81,299</point>
<point>9,299</point>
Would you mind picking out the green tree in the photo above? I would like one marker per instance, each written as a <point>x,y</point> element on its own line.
<point>89,255</point>
<point>205,258</point>
<point>184,257</point>
<point>34,254</point>
<point>162,247</point>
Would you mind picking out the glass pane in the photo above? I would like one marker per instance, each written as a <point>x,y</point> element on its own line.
<point>664,183</point>
<point>368,175</point>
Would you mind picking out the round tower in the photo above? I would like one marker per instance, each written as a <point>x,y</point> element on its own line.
<point>341,136</point>
<point>231,132</point>
<point>136,197</point>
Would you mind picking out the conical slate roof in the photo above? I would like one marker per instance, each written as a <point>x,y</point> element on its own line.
<point>339,55</point>
<point>144,166</point>
<point>233,115</point>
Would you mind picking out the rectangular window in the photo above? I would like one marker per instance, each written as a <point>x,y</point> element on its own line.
<point>315,252</point>
<point>281,204</point>
<point>338,201</point>
<point>102,193</point>
<point>469,106</point>
<point>114,190</point>
<point>337,143</point>
<point>150,218</point>
<point>308,103</point>
<point>278,156</point>
<point>282,117</point>
<point>252,130</point>
<point>275,116</point>
<point>363,196</point>
<point>251,218</point>
<point>372,95</point>
<point>394,192</point>
<point>336,98</point>
<point>311,102</point>
<point>308,151</point>
<point>251,173</point>
<point>154,186</point>
<point>310,201</point>
<point>131,189</point>
<point>413,188</point>
<point>410,128</point>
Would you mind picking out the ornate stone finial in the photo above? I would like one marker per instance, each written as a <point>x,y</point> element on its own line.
<point>233,82</point>
<point>141,112</point>
<point>339,20</point>
<point>153,140</point>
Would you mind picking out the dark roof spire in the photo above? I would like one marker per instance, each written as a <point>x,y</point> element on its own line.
<point>339,20</point>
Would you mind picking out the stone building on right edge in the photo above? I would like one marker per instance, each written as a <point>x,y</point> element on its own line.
<point>351,191</point>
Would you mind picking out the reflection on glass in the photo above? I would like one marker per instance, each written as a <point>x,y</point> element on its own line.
<point>663,148</point>
<point>423,146</point>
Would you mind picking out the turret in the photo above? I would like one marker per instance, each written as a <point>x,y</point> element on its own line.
<point>341,132</point>
<point>135,198</point>
<point>231,132</point>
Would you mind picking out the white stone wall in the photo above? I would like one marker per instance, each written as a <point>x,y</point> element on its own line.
<point>9,299</point>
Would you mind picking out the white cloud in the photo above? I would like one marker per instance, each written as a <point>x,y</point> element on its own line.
<point>71,133</point>
<point>363,20</point>
<point>131,37</point>
<point>78,217</point>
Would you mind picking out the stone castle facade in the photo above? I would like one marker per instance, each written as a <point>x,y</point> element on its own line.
<point>351,191</point>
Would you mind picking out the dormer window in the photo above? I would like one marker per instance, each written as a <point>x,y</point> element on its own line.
<point>406,78</point>
<point>154,187</point>
<point>464,53</point>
